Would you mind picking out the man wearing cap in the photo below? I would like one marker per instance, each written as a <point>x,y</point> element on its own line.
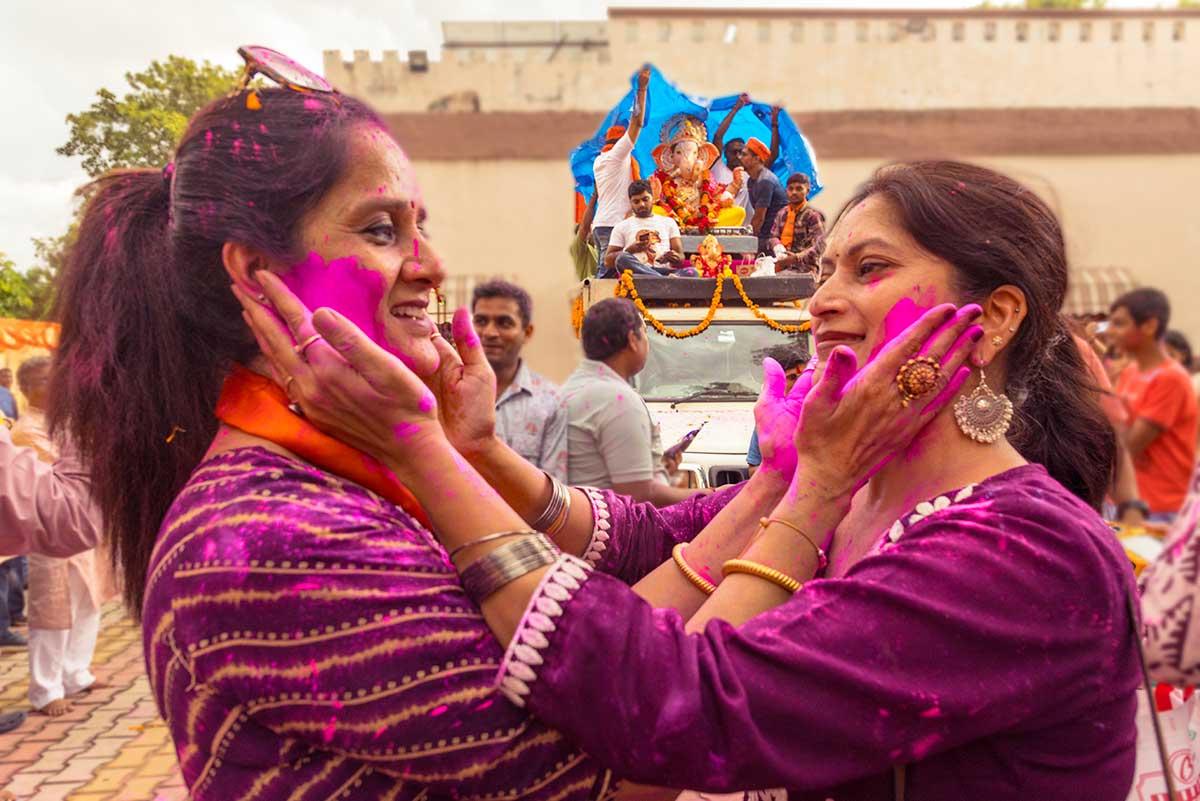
<point>613,169</point>
<point>722,171</point>
<point>766,193</point>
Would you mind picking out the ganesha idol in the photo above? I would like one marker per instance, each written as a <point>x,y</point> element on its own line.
<point>683,187</point>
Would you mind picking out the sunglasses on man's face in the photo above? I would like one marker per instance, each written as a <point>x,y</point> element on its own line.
<point>280,69</point>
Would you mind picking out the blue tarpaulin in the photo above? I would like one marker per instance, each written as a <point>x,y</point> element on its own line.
<point>664,100</point>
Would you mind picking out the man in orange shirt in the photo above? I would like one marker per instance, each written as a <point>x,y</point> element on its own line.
<point>1159,399</point>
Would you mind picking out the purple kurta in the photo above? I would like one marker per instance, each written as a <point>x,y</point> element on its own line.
<point>985,643</point>
<point>307,639</point>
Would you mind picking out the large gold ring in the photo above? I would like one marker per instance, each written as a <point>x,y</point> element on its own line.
<point>303,346</point>
<point>918,377</point>
<point>287,384</point>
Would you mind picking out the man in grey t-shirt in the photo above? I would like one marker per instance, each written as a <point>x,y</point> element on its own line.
<point>612,442</point>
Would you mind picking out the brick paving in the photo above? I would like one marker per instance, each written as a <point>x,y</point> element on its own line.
<point>111,747</point>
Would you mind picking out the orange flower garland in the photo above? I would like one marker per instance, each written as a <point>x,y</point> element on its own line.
<point>577,315</point>
<point>625,288</point>
<point>760,314</point>
<point>705,216</point>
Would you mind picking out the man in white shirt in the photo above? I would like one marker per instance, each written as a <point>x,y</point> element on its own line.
<point>646,243</point>
<point>613,169</point>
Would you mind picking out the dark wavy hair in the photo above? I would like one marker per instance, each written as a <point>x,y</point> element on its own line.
<point>607,326</point>
<point>149,326</point>
<point>995,231</point>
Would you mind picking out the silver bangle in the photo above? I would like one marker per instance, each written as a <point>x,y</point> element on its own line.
<point>499,535</point>
<point>507,563</point>
<point>560,500</point>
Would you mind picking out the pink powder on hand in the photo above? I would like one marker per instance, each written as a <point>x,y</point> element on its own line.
<point>463,330</point>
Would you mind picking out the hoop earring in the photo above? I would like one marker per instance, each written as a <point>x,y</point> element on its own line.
<point>983,415</point>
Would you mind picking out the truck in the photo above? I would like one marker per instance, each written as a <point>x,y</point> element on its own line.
<point>712,377</point>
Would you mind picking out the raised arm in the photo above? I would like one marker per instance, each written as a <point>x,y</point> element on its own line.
<point>637,116</point>
<point>723,128</point>
<point>774,155</point>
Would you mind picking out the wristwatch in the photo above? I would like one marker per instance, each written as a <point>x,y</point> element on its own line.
<point>1125,506</point>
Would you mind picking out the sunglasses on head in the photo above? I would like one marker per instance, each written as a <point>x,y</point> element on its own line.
<point>280,69</point>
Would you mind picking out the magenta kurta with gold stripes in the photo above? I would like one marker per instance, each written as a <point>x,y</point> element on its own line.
<point>307,639</point>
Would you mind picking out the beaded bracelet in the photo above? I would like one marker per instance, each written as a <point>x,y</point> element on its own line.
<point>776,577</point>
<point>700,582</point>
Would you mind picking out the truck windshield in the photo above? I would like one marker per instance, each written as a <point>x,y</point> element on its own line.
<point>723,363</point>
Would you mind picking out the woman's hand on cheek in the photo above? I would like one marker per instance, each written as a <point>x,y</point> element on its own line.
<point>465,387</point>
<point>853,421</point>
<point>776,415</point>
<point>345,384</point>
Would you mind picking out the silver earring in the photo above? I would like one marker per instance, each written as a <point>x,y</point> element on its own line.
<point>983,415</point>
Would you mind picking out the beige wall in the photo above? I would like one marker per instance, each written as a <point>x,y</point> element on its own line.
<point>514,218</point>
<point>807,62</point>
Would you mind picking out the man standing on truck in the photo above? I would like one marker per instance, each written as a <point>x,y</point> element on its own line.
<point>612,441</point>
<point>614,169</point>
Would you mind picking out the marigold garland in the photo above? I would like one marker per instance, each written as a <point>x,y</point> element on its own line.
<point>577,315</point>
<point>760,314</point>
<point>626,289</point>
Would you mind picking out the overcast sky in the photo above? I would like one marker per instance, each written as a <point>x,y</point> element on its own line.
<point>55,55</point>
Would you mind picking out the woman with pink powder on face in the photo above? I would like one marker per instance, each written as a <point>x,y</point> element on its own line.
<point>305,634</point>
<point>970,635</point>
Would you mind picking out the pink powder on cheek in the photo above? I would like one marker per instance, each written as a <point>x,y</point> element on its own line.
<point>904,313</point>
<point>353,291</point>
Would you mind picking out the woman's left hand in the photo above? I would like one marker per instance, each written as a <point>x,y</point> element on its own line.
<point>465,387</point>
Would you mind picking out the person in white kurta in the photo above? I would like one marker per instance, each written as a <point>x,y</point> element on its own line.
<point>65,595</point>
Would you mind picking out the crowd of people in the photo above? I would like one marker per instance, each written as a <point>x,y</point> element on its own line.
<point>636,225</point>
<point>371,561</point>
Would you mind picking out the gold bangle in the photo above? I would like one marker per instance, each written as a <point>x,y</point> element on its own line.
<point>776,577</point>
<point>822,558</point>
<point>701,583</point>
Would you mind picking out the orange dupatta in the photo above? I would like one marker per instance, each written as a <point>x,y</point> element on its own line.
<point>789,225</point>
<point>255,404</point>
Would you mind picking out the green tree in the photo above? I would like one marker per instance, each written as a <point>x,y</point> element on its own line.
<point>15,299</point>
<point>142,128</point>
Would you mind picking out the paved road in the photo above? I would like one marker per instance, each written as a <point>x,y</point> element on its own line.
<point>111,747</point>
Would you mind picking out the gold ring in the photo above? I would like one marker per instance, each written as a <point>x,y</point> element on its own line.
<point>918,377</point>
<point>287,384</point>
<point>303,346</point>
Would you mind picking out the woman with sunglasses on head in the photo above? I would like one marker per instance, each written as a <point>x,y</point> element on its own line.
<point>306,636</point>
<point>969,635</point>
